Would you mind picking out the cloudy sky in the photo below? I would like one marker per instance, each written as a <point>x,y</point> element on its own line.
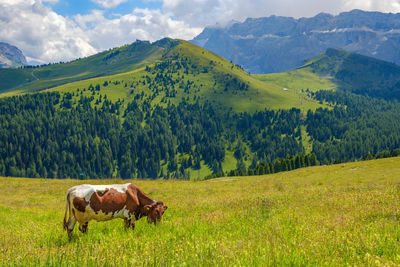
<point>61,30</point>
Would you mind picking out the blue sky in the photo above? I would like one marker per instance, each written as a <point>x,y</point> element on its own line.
<point>62,30</point>
<point>73,7</point>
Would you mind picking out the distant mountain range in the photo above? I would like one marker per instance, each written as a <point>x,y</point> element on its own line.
<point>276,44</point>
<point>11,56</point>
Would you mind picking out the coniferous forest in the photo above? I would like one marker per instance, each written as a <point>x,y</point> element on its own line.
<point>43,135</point>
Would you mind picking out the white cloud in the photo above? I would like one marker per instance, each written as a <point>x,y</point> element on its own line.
<point>40,33</point>
<point>143,24</point>
<point>209,12</point>
<point>45,36</point>
<point>50,1</point>
<point>373,5</point>
<point>109,3</point>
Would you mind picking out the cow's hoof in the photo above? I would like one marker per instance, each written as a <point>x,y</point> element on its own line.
<point>69,234</point>
<point>83,228</point>
<point>133,225</point>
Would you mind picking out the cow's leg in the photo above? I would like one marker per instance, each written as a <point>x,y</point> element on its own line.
<point>83,227</point>
<point>129,223</point>
<point>70,225</point>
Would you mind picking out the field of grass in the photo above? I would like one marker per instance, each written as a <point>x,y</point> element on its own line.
<point>346,214</point>
<point>296,82</point>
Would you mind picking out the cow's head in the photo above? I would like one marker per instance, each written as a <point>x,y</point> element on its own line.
<point>155,211</point>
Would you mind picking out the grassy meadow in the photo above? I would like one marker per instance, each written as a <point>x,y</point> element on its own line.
<point>346,214</point>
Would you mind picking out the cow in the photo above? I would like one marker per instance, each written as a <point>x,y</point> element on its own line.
<point>105,202</point>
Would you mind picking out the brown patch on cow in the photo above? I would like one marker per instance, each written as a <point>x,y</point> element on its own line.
<point>102,193</point>
<point>111,201</point>
<point>142,200</point>
<point>80,204</point>
<point>132,201</point>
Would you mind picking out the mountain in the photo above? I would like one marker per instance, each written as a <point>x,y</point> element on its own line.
<point>11,56</point>
<point>109,62</point>
<point>276,44</point>
<point>343,70</point>
<point>359,74</point>
<point>211,77</point>
<point>171,109</point>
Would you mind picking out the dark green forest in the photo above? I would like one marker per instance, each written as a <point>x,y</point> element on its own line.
<point>43,135</point>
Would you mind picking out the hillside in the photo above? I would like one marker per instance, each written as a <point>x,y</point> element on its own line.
<point>358,74</point>
<point>189,72</point>
<point>189,114</point>
<point>116,60</point>
<point>340,215</point>
<point>276,44</point>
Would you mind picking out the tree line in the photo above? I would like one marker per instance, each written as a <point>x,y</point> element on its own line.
<point>66,135</point>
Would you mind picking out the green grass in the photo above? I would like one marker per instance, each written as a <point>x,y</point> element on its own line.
<point>296,82</point>
<point>299,79</point>
<point>346,214</point>
<point>12,78</point>
<point>265,91</point>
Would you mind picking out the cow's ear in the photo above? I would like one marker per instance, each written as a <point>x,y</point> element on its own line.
<point>165,207</point>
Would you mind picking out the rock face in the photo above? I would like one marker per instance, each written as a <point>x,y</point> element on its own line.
<point>275,44</point>
<point>11,56</point>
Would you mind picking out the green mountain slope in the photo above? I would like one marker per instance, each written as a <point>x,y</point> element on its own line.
<point>359,74</point>
<point>116,60</point>
<point>166,71</point>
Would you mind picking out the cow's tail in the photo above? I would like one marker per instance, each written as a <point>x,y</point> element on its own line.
<point>67,210</point>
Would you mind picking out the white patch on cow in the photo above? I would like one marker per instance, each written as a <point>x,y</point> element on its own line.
<point>90,214</point>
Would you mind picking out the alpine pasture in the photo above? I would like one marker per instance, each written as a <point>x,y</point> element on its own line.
<point>345,214</point>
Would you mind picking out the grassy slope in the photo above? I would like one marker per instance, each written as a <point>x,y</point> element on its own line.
<point>358,73</point>
<point>264,91</point>
<point>345,214</point>
<point>296,82</point>
<point>117,60</point>
<point>334,69</point>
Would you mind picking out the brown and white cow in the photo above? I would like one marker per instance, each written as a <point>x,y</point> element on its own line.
<point>105,202</point>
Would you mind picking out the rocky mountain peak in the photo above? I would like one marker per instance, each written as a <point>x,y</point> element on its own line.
<point>11,56</point>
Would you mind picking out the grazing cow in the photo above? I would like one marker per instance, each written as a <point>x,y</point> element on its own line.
<point>105,202</point>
